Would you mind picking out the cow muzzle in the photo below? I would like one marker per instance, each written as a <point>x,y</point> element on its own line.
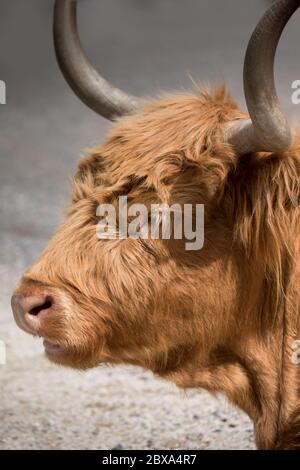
<point>35,310</point>
<point>30,310</point>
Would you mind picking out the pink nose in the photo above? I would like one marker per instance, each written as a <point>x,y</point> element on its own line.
<point>29,310</point>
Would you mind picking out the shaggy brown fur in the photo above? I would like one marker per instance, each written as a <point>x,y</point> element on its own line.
<point>222,318</point>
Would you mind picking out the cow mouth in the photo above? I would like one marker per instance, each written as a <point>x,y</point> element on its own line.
<point>53,348</point>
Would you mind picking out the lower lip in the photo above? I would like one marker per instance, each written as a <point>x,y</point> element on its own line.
<point>52,348</point>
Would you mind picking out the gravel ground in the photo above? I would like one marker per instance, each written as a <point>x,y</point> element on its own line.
<point>110,408</point>
<point>153,45</point>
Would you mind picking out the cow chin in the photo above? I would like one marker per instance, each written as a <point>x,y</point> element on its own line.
<point>77,351</point>
<point>72,359</point>
<point>72,335</point>
<point>75,348</point>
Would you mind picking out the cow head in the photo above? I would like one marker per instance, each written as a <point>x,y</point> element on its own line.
<point>211,317</point>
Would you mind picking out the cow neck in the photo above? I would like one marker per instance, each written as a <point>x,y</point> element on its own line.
<point>288,422</point>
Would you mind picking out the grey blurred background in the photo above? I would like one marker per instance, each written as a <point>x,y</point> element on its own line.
<point>143,46</point>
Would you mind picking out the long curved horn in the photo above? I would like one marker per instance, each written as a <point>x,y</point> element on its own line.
<point>268,129</point>
<point>88,85</point>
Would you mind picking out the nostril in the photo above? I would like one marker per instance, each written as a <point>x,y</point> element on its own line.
<point>38,308</point>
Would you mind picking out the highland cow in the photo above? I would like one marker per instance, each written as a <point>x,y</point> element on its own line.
<point>223,318</point>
